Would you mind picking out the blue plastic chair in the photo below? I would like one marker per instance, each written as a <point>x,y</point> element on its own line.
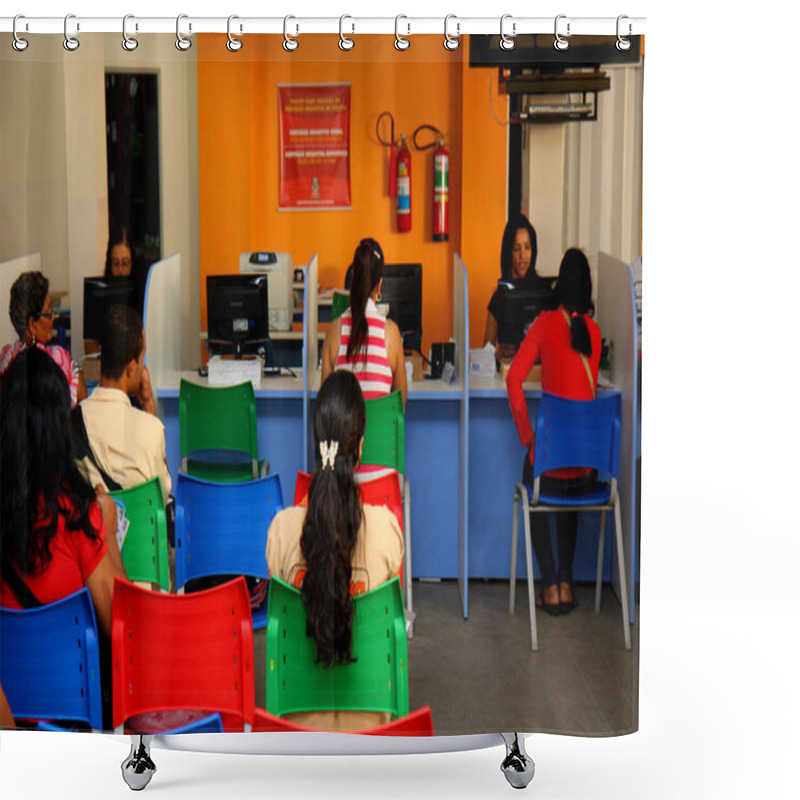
<point>50,661</point>
<point>574,433</point>
<point>221,529</point>
<point>210,724</point>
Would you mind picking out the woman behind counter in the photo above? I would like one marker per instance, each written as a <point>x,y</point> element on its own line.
<point>568,342</point>
<point>518,252</point>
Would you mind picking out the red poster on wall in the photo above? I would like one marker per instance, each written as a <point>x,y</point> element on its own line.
<point>314,149</point>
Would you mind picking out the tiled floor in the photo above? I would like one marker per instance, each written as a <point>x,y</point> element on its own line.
<point>480,674</point>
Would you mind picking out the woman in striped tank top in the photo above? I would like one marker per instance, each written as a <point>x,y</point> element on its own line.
<point>362,340</point>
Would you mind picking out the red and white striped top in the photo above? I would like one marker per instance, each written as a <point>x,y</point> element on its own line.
<point>371,365</point>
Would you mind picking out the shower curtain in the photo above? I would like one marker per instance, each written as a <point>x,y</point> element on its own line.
<point>213,152</point>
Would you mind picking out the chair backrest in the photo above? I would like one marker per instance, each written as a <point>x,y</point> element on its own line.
<point>145,552</point>
<point>50,661</point>
<point>417,723</point>
<point>376,681</point>
<point>578,433</point>
<point>383,491</point>
<point>218,418</point>
<point>183,652</point>
<point>221,528</point>
<point>339,304</point>
<point>385,435</point>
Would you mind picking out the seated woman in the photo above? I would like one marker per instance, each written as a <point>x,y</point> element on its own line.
<point>31,312</point>
<point>517,265</point>
<point>335,547</point>
<point>568,341</point>
<point>119,255</point>
<point>53,525</point>
<point>362,340</point>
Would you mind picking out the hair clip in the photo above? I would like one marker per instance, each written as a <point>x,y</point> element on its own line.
<point>328,451</point>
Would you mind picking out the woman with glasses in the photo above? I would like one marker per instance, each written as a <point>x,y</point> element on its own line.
<point>119,255</point>
<point>31,312</point>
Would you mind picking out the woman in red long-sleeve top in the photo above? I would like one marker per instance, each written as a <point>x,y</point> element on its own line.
<point>567,342</point>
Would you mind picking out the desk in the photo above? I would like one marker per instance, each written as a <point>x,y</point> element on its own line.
<point>495,465</point>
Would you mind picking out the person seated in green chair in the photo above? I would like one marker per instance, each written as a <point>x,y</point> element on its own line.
<point>335,547</point>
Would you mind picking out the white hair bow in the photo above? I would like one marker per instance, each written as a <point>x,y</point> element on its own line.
<point>328,451</point>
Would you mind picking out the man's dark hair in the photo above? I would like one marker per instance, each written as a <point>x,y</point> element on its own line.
<point>122,340</point>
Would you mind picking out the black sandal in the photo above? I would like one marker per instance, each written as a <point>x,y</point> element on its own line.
<point>570,605</point>
<point>553,609</point>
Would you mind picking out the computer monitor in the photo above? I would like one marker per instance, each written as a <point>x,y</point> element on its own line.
<point>238,314</point>
<point>99,294</point>
<point>519,306</point>
<point>278,268</point>
<point>401,300</point>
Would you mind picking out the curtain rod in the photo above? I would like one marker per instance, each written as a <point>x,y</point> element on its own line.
<point>452,25</point>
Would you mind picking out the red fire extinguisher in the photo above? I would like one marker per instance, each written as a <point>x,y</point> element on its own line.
<point>441,192</point>
<point>403,186</point>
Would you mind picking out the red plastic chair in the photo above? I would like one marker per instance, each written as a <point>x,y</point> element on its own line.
<point>383,491</point>
<point>417,723</point>
<point>175,656</point>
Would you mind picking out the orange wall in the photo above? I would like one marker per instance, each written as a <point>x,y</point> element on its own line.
<point>238,163</point>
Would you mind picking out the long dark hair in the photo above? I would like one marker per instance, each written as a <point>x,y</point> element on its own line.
<point>40,479</point>
<point>367,270</point>
<point>515,223</point>
<point>333,518</point>
<point>574,292</point>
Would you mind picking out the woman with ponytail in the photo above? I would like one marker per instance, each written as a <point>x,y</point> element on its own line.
<point>568,343</point>
<point>335,547</point>
<point>362,340</point>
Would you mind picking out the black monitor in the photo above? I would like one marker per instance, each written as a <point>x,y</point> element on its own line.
<point>238,314</point>
<point>518,308</point>
<point>99,294</point>
<point>402,292</point>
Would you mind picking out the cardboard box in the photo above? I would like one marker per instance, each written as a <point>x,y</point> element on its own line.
<point>534,376</point>
<point>91,368</point>
<point>415,359</point>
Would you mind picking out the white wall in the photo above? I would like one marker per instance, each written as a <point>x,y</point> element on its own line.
<point>53,176</point>
<point>582,181</point>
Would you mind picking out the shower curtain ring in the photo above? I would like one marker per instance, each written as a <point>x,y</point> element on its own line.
<point>181,42</point>
<point>507,42</point>
<point>19,44</point>
<point>451,42</point>
<point>400,42</point>
<point>623,44</point>
<point>560,43</point>
<point>233,44</point>
<point>71,43</point>
<point>289,44</point>
<point>345,42</point>
<point>129,43</point>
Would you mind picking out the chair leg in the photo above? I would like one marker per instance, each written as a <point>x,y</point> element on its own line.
<point>598,586</point>
<point>407,557</point>
<point>512,586</point>
<point>138,768</point>
<point>626,629</point>
<point>526,527</point>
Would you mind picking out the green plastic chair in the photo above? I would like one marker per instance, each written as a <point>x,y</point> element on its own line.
<point>145,551</point>
<point>385,446</point>
<point>223,419</point>
<point>339,304</point>
<point>376,681</point>
<point>385,435</point>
